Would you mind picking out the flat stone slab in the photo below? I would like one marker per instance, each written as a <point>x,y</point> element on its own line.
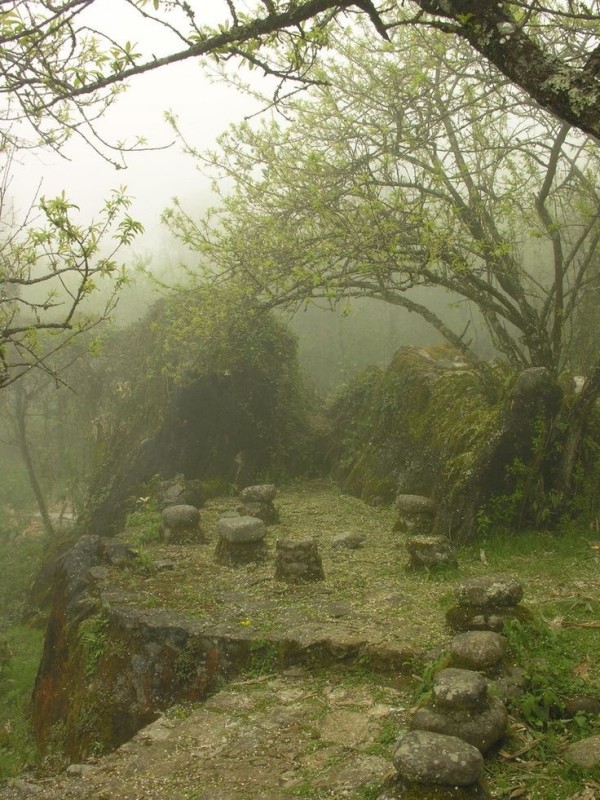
<point>253,740</point>
<point>240,530</point>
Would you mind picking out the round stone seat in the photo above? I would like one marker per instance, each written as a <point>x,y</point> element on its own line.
<point>415,514</point>
<point>477,650</point>
<point>180,524</point>
<point>241,530</point>
<point>460,688</point>
<point>261,493</point>
<point>436,759</point>
<point>298,560</point>
<point>493,591</point>
<point>241,541</point>
<point>430,551</point>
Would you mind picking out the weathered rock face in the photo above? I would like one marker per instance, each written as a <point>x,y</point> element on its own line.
<point>388,424</point>
<point>535,397</point>
<point>433,758</point>
<point>224,424</point>
<point>180,524</point>
<point>298,561</point>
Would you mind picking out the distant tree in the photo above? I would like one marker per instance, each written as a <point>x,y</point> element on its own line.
<point>409,168</point>
<point>62,65</point>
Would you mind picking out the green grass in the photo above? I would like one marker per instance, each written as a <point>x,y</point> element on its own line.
<point>19,560</point>
<point>17,746</point>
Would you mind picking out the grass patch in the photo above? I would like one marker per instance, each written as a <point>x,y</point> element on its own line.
<point>19,560</point>
<point>17,747</point>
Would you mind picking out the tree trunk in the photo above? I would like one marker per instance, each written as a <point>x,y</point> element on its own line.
<point>576,428</point>
<point>21,428</point>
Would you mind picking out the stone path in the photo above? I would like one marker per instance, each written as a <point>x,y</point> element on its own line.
<point>265,738</point>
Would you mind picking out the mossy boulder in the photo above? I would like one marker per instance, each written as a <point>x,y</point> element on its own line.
<point>467,436</point>
<point>205,389</point>
<point>396,431</point>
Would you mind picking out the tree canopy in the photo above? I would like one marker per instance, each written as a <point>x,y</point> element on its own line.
<point>409,168</point>
<point>62,65</point>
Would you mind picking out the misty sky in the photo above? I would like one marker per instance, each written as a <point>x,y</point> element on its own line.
<point>204,107</point>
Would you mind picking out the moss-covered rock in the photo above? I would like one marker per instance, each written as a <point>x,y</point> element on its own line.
<point>476,440</point>
<point>404,428</point>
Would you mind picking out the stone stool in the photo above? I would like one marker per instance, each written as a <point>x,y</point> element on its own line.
<point>415,514</point>
<point>486,603</point>
<point>257,501</point>
<point>435,759</point>
<point>430,551</point>
<point>461,706</point>
<point>298,561</point>
<point>241,541</point>
<point>180,524</point>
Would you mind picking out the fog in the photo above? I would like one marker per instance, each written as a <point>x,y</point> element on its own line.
<point>204,105</point>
